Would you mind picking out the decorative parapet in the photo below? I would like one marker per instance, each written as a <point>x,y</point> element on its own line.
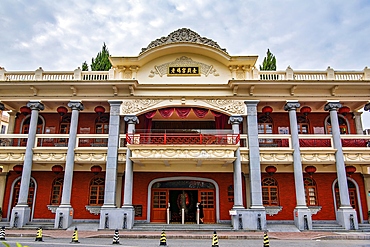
<point>95,210</point>
<point>238,72</point>
<point>182,35</point>
<point>272,210</point>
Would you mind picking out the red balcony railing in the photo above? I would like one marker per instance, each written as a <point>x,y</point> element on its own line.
<point>194,138</point>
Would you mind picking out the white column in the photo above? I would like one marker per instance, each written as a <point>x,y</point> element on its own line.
<point>235,121</point>
<point>301,211</point>
<point>11,123</point>
<point>345,209</point>
<point>21,212</point>
<point>112,155</point>
<point>129,174</point>
<point>64,213</point>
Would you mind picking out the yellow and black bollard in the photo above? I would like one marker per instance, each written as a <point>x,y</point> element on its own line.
<point>215,240</point>
<point>2,233</point>
<point>266,242</point>
<point>39,235</point>
<point>163,240</point>
<point>116,237</point>
<point>75,236</point>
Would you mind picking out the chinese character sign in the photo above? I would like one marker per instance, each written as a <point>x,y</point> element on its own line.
<point>183,70</point>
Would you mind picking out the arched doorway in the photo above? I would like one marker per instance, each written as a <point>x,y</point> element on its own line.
<point>354,197</point>
<point>14,195</point>
<point>182,192</point>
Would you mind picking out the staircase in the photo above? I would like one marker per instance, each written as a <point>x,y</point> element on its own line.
<point>327,227</point>
<point>180,227</point>
<point>364,227</point>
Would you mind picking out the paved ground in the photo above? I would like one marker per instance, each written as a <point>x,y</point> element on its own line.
<point>309,235</point>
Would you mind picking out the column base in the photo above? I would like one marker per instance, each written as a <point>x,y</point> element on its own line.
<point>117,218</point>
<point>347,217</point>
<point>63,217</point>
<point>248,219</point>
<point>20,216</point>
<point>303,218</point>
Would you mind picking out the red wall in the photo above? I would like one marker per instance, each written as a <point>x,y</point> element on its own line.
<point>324,183</point>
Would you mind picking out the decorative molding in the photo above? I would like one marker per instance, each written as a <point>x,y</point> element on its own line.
<point>314,209</point>
<point>91,157</point>
<point>182,35</point>
<point>138,105</point>
<point>175,153</point>
<point>49,157</point>
<point>313,157</point>
<point>276,157</point>
<point>230,106</point>
<point>95,210</point>
<point>183,62</point>
<point>272,210</point>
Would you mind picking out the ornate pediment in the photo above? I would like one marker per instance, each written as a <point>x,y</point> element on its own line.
<point>183,62</point>
<point>182,35</point>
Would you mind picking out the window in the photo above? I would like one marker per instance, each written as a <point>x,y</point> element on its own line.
<point>265,126</point>
<point>56,192</point>
<point>101,127</point>
<point>3,129</point>
<point>303,125</point>
<point>270,192</point>
<point>96,197</point>
<point>310,192</point>
<point>159,199</point>
<point>343,127</point>
<point>230,193</point>
<point>207,199</point>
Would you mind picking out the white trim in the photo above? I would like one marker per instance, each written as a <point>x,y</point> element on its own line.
<point>11,198</point>
<point>358,197</point>
<point>184,178</point>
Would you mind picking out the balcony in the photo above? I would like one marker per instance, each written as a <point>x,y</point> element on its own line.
<point>183,137</point>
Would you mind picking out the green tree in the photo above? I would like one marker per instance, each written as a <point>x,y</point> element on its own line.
<point>269,62</point>
<point>100,62</point>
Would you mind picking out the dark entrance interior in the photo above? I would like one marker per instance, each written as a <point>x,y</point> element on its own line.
<point>186,199</point>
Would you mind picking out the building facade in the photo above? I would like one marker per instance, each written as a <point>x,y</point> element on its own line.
<point>184,122</point>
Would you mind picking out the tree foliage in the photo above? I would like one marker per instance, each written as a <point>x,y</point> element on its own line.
<point>100,62</point>
<point>269,62</point>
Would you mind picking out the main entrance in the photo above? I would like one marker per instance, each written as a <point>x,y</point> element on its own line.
<point>178,199</point>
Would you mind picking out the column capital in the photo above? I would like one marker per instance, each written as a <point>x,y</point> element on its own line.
<point>35,105</point>
<point>131,119</point>
<point>291,106</point>
<point>332,106</point>
<point>367,107</point>
<point>76,105</point>
<point>235,120</point>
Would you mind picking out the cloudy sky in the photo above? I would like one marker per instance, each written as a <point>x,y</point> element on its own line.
<point>307,35</point>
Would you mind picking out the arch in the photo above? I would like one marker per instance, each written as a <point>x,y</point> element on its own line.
<point>10,207</point>
<point>28,118</point>
<point>360,214</point>
<point>217,190</point>
<point>341,118</point>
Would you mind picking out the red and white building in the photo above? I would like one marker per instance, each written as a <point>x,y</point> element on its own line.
<point>185,122</point>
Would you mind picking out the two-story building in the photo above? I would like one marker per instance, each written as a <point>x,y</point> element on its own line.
<point>185,122</point>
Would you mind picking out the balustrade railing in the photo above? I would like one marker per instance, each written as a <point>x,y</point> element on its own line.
<point>287,74</point>
<point>12,141</point>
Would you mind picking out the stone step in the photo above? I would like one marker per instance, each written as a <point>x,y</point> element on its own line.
<point>180,227</point>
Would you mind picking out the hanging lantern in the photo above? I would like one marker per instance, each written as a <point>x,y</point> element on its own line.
<point>267,110</point>
<point>344,110</point>
<point>271,170</point>
<point>96,169</point>
<point>18,168</point>
<point>62,110</point>
<point>99,110</point>
<point>305,110</point>
<point>350,170</point>
<point>310,170</point>
<point>25,110</point>
<point>57,169</point>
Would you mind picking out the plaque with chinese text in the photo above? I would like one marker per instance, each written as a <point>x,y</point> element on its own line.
<point>173,71</point>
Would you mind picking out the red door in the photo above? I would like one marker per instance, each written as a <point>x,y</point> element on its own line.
<point>207,197</point>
